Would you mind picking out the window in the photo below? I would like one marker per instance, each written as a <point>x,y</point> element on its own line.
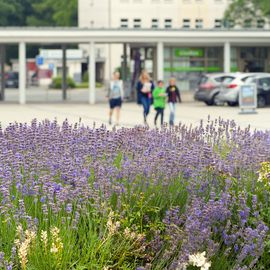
<point>247,23</point>
<point>199,23</point>
<point>264,83</point>
<point>168,23</point>
<point>137,23</point>
<point>260,23</point>
<point>218,23</point>
<point>124,23</point>
<point>186,23</point>
<point>228,23</point>
<point>155,23</point>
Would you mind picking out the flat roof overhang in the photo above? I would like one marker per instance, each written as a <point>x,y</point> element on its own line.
<point>169,36</point>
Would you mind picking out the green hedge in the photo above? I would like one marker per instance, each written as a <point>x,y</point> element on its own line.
<point>57,83</point>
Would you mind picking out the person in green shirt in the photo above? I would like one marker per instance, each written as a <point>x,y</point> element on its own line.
<point>159,96</point>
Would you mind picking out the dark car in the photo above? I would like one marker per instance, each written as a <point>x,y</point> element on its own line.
<point>263,89</point>
<point>209,87</point>
<point>12,80</point>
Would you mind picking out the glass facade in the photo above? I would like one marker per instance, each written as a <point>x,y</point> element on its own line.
<point>187,64</point>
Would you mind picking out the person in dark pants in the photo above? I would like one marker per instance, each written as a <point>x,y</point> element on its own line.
<point>159,96</point>
<point>173,96</point>
<point>115,95</point>
<point>144,93</point>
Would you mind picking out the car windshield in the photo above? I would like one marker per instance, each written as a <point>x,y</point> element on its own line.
<point>203,80</point>
<point>246,78</point>
<point>227,79</point>
<point>250,80</point>
<point>12,76</point>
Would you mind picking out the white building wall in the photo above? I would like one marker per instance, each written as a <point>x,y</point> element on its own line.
<point>108,14</point>
<point>207,10</point>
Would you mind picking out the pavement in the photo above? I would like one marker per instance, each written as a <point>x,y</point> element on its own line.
<point>48,104</point>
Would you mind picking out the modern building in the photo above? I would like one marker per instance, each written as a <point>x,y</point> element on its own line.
<point>187,61</point>
<point>252,44</point>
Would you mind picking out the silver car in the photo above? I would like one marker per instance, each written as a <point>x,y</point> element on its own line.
<point>229,90</point>
<point>209,87</point>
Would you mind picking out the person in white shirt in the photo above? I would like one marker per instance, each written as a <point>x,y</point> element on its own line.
<point>115,95</point>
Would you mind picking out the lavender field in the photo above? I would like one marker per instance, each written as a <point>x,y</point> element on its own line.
<point>76,197</point>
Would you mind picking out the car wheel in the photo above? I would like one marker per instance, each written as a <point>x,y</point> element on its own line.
<point>261,101</point>
<point>216,100</point>
<point>232,104</point>
<point>209,103</point>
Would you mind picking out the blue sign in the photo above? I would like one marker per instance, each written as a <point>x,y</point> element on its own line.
<point>39,60</point>
<point>51,66</point>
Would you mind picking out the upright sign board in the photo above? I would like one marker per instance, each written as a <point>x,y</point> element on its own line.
<point>248,98</point>
<point>39,60</point>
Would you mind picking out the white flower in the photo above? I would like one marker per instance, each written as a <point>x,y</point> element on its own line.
<point>206,266</point>
<point>199,260</point>
<point>54,249</point>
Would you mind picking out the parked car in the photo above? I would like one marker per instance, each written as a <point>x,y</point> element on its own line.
<point>209,87</point>
<point>229,89</point>
<point>12,80</point>
<point>263,89</point>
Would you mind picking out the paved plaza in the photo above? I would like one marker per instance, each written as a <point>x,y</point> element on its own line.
<point>47,104</point>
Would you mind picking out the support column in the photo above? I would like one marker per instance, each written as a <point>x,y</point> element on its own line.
<point>125,71</point>
<point>22,73</point>
<point>64,72</point>
<point>160,61</point>
<point>227,57</point>
<point>92,73</point>
<point>3,60</point>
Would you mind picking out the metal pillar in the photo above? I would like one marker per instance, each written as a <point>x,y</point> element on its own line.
<point>22,73</point>
<point>160,61</point>
<point>92,73</point>
<point>227,57</point>
<point>64,72</point>
<point>3,60</point>
<point>125,71</point>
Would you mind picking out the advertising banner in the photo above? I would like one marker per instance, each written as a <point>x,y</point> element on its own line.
<point>248,98</point>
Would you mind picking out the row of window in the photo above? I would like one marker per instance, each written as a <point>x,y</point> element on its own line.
<point>186,23</point>
<point>137,23</point>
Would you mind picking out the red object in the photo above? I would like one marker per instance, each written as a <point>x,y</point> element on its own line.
<point>44,73</point>
<point>207,86</point>
<point>31,66</point>
<point>232,86</point>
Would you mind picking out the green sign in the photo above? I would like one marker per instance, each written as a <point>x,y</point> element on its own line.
<point>197,69</point>
<point>195,52</point>
<point>193,69</point>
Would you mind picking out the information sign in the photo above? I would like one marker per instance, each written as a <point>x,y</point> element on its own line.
<point>248,98</point>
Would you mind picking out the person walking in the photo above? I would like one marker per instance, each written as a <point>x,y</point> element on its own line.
<point>115,95</point>
<point>173,96</point>
<point>145,88</point>
<point>159,95</point>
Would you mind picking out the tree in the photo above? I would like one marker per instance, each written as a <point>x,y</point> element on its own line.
<point>38,13</point>
<point>53,13</point>
<point>243,12</point>
<point>11,13</point>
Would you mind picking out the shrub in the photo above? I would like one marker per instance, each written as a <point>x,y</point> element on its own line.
<point>76,197</point>
<point>57,83</point>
